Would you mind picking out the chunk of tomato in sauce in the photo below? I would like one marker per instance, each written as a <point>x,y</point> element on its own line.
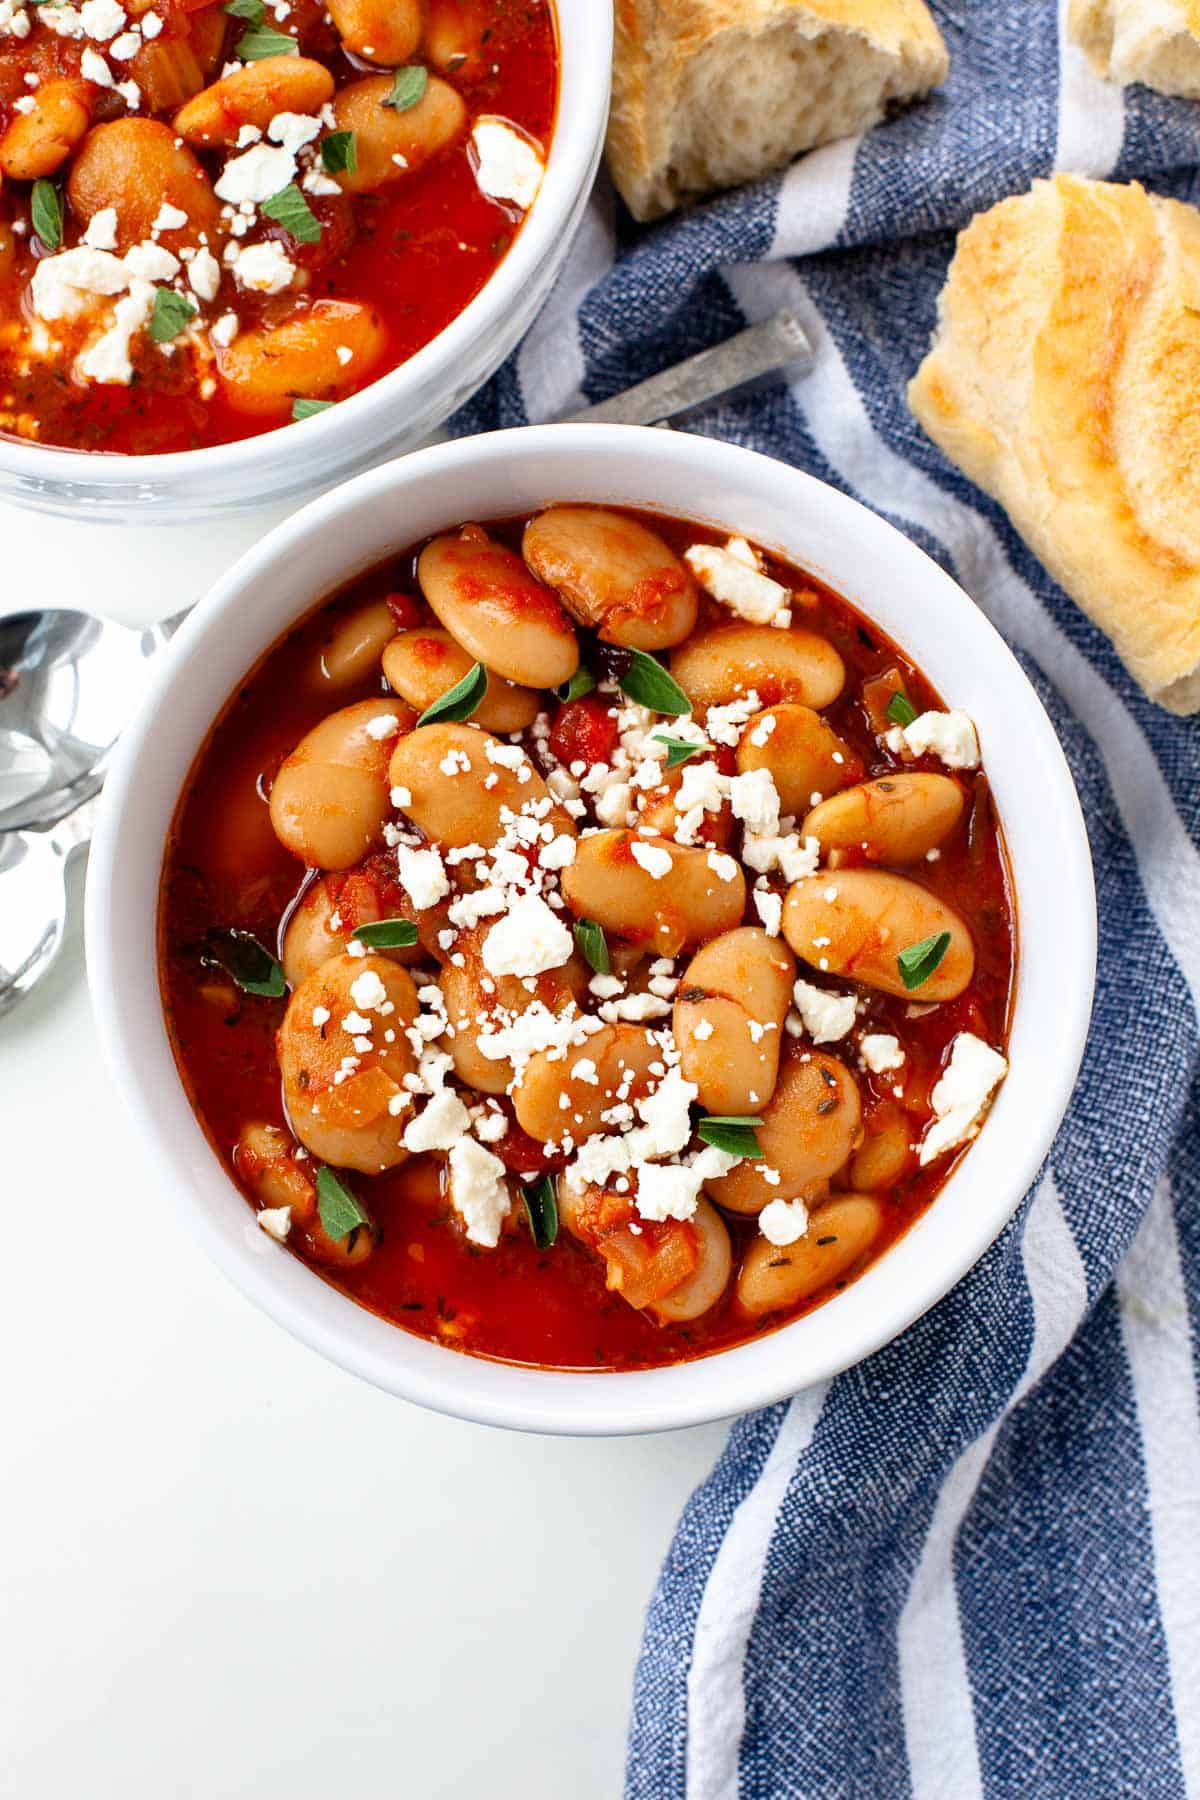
<point>585,731</point>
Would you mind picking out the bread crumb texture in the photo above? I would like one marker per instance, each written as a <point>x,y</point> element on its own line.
<point>709,94</point>
<point>1155,42</point>
<point>1064,378</point>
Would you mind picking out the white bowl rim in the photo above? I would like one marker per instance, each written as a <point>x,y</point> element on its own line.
<point>585,60</point>
<point>924,1264</point>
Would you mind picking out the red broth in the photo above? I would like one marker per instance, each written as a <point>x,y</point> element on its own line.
<point>224,867</point>
<point>414,253</point>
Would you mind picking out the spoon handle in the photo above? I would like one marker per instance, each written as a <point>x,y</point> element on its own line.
<point>747,356</point>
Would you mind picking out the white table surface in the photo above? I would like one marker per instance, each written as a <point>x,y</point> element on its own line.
<point>226,1568</point>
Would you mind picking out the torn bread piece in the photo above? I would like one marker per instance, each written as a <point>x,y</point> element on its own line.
<point>1154,42</point>
<point>1064,379</point>
<point>708,94</point>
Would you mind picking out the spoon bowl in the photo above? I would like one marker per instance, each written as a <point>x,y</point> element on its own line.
<point>69,684</point>
<point>33,900</point>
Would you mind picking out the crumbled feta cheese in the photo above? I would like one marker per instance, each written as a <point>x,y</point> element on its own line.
<point>783,1221</point>
<point>723,867</point>
<point>92,67</point>
<point>827,1017</point>
<point>794,859</point>
<point>527,941</point>
<point>101,233</point>
<point>559,853</point>
<point>422,875</point>
<point>881,1052</point>
<point>64,285</point>
<point>441,1123</point>
<point>293,130</point>
<point>276,1221</point>
<point>755,802</point>
<point>151,262</point>
<point>724,724</point>
<point>264,268</point>
<point>107,361</point>
<point>949,735</point>
<point>769,908</point>
<point>256,175</point>
<point>367,991</point>
<point>507,165</point>
<point>962,1094</point>
<point>479,1192</point>
<point>614,806</point>
<point>383,725</point>
<point>204,275</point>
<point>653,858</point>
<point>102,19</point>
<point>169,218</point>
<point>225,330</point>
<point>734,578</point>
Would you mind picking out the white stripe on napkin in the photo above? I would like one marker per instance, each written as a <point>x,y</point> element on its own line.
<point>939,1720</point>
<point>1091,112</point>
<point>814,198</point>
<point>1155,1327</point>
<point>841,428</point>
<point>716,1705</point>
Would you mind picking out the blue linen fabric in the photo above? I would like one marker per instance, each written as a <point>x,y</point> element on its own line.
<point>970,1566</point>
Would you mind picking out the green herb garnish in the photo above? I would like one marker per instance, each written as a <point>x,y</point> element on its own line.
<point>308,409</point>
<point>918,962</point>
<point>171,313</point>
<point>408,87</point>
<point>541,1209</point>
<point>291,210</point>
<point>736,1136</point>
<point>900,710</point>
<point>593,945</point>
<point>245,961</point>
<point>647,682</point>
<point>460,701</point>
<point>387,934</point>
<point>582,682</point>
<point>678,749</point>
<point>47,211</point>
<point>340,1212</point>
<point>262,40</point>
<point>253,11</point>
<point>339,153</point>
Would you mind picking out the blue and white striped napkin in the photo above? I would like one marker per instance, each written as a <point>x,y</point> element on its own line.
<point>972,1565</point>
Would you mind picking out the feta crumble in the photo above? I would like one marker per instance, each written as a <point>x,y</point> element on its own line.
<point>961,1095</point>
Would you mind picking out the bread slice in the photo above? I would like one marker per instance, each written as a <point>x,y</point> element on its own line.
<point>1065,380</point>
<point>711,93</point>
<point>1156,42</point>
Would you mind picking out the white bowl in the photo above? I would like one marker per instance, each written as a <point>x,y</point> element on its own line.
<point>397,411</point>
<point>891,582</point>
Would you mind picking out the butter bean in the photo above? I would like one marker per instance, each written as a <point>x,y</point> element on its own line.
<point>265,1159</point>
<point>491,604</point>
<point>893,820</point>
<point>474,1009</point>
<point>348,1122</point>
<point>380,31</point>
<point>425,663</point>
<point>613,574</point>
<point>621,1055</point>
<point>885,1155</point>
<point>871,918</point>
<point>453,804</point>
<point>38,142</point>
<point>809,1128</point>
<point>735,660</point>
<point>253,95</point>
<point>356,645</point>
<point>840,1233</point>
<point>804,755</point>
<point>701,1291</point>
<point>330,798</point>
<point>391,145</point>
<point>263,370</point>
<point>136,167</point>
<point>728,1020</point>
<point>690,902</point>
<point>312,937</point>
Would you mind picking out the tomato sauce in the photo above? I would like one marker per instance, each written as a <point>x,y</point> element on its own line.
<point>224,867</point>
<point>417,251</point>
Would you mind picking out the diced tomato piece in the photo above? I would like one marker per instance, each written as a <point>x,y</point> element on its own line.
<point>645,1267</point>
<point>524,1154</point>
<point>406,611</point>
<point>585,731</point>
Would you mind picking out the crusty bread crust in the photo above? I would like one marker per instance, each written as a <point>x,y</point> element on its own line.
<point>711,93</point>
<point>1154,42</point>
<point>1065,380</point>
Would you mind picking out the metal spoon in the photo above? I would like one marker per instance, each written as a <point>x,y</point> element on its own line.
<point>33,911</point>
<point>69,683</point>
